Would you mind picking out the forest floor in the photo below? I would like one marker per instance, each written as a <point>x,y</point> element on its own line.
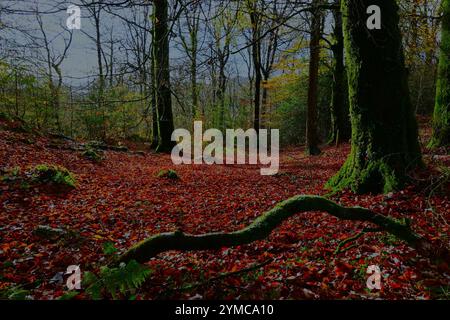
<point>122,200</point>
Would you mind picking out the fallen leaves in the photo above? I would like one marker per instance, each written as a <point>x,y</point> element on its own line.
<point>121,201</point>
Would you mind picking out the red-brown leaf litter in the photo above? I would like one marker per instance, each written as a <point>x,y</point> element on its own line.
<point>122,200</point>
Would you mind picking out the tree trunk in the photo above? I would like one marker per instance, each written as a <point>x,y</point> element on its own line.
<point>441,116</point>
<point>162,76</point>
<point>340,117</point>
<point>256,57</point>
<point>265,103</point>
<point>221,93</point>
<point>312,139</point>
<point>195,109</point>
<point>155,134</point>
<point>57,97</point>
<point>384,130</point>
<point>193,31</point>
<point>101,78</point>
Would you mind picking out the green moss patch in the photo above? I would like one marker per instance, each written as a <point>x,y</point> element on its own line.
<point>53,174</point>
<point>170,174</point>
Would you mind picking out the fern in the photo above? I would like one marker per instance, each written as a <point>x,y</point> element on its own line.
<point>109,249</point>
<point>14,293</point>
<point>115,281</point>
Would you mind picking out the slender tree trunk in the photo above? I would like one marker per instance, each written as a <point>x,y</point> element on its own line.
<point>162,76</point>
<point>340,117</point>
<point>111,59</point>
<point>441,116</point>
<point>57,97</point>
<point>155,134</point>
<point>195,112</point>
<point>312,139</point>
<point>194,52</point>
<point>384,130</point>
<point>221,93</point>
<point>256,57</point>
<point>16,93</point>
<point>101,77</point>
<point>265,107</point>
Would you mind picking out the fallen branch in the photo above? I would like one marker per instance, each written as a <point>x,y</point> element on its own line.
<point>265,224</point>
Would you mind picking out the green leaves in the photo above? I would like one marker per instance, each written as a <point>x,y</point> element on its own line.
<point>109,249</point>
<point>114,281</point>
<point>14,293</point>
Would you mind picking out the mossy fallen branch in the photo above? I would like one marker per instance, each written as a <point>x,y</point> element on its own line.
<point>265,224</point>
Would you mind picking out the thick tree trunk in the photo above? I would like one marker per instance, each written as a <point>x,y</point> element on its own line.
<point>162,76</point>
<point>265,224</point>
<point>441,117</point>
<point>384,130</point>
<point>312,139</point>
<point>340,117</point>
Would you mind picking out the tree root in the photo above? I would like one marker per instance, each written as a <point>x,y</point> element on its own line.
<point>266,223</point>
<point>340,248</point>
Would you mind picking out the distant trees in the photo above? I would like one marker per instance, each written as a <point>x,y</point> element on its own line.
<point>139,61</point>
<point>441,116</point>
<point>384,130</point>
<point>190,44</point>
<point>222,30</point>
<point>419,23</point>
<point>95,9</point>
<point>53,63</point>
<point>252,63</point>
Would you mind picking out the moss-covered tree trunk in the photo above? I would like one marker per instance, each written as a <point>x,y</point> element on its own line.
<point>340,117</point>
<point>384,129</point>
<point>441,117</point>
<point>312,138</point>
<point>162,75</point>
